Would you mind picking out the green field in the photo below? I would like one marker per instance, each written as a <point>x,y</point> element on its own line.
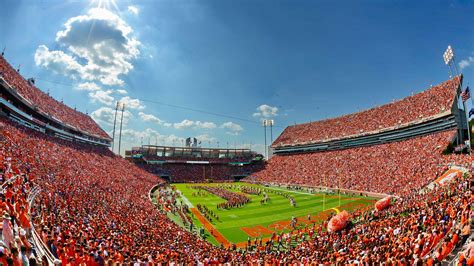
<point>272,215</point>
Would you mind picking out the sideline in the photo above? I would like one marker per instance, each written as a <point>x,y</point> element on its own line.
<point>291,191</point>
<point>213,231</point>
<point>185,200</point>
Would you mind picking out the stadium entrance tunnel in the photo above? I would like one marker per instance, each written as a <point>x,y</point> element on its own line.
<point>238,177</point>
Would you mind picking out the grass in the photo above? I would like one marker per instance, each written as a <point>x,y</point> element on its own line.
<point>275,212</point>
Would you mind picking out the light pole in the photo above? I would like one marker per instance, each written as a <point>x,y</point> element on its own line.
<point>268,123</point>
<point>264,123</point>
<point>115,121</point>
<point>121,123</point>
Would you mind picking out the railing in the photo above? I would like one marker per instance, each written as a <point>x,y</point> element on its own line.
<point>40,247</point>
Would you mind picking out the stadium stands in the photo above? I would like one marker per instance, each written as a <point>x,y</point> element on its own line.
<point>93,209</point>
<point>392,168</point>
<point>182,172</point>
<point>47,104</point>
<point>433,102</point>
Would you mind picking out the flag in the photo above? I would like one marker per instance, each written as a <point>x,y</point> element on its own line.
<point>466,94</point>
<point>471,113</point>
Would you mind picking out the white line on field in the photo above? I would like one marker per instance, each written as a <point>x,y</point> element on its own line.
<point>190,205</point>
<point>291,191</point>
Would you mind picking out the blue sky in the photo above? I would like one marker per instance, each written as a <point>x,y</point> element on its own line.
<point>291,61</point>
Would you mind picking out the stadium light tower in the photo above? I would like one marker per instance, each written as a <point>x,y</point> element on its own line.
<point>121,123</point>
<point>267,123</point>
<point>448,57</point>
<point>115,121</point>
<point>264,124</point>
<point>449,60</point>
<point>272,122</point>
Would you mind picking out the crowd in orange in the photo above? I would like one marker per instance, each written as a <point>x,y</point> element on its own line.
<point>183,172</point>
<point>396,168</point>
<point>93,208</point>
<point>48,104</point>
<point>435,100</point>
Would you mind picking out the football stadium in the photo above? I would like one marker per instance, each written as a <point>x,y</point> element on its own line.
<point>389,184</point>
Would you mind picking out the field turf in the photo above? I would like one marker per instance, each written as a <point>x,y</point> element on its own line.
<point>255,219</point>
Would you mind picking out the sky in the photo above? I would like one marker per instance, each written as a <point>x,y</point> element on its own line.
<point>214,69</point>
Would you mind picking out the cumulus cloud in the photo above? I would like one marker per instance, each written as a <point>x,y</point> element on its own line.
<point>122,91</point>
<point>88,86</point>
<point>97,46</point>
<point>205,138</point>
<point>105,116</point>
<point>466,62</point>
<point>132,103</point>
<point>151,135</point>
<point>102,97</point>
<point>150,118</point>
<point>185,124</point>
<point>266,111</point>
<point>232,128</point>
<point>58,62</point>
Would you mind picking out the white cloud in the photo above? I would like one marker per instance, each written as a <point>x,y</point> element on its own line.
<point>184,124</point>
<point>205,125</point>
<point>205,138</point>
<point>233,128</point>
<point>266,111</point>
<point>466,62</point>
<point>132,103</point>
<point>102,41</point>
<point>102,96</point>
<point>105,116</point>
<point>150,118</point>
<point>88,86</point>
<point>122,91</point>
<point>194,124</point>
<point>58,62</point>
<point>133,9</point>
<point>152,136</point>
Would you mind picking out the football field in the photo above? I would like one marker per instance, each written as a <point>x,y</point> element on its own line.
<point>256,219</point>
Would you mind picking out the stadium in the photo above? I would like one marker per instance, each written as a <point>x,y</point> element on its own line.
<point>389,185</point>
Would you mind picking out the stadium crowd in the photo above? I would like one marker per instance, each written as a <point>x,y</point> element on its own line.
<point>433,101</point>
<point>48,104</point>
<point>15,247</point>
<point>94,209</point>
<point>182,172</point>
<point>396,168</point>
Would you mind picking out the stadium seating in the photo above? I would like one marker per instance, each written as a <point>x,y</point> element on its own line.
<point>48,104</point>
<point>434,101</point>
<point>93,207</point>
<point>394,168</point>
<point>182,172</point>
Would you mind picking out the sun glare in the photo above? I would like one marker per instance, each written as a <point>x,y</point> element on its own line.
<point>106,4</point>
